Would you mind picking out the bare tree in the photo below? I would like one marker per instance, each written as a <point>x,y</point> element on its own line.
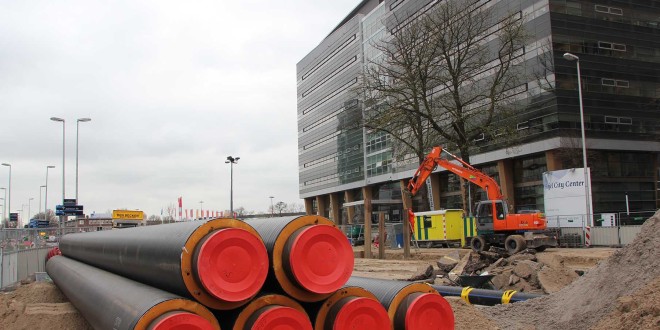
<point>447,76</point>
<point>280,207</point>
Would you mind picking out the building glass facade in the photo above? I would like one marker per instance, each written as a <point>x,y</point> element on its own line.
<point>618,44</point>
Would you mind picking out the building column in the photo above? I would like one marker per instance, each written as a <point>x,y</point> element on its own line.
<point>336,209</point>
<point>320,205</point>
<point>309,206</point>
<point>350,211</point>
<point>435,190</point>
<point>552,161</point>
<point>505,169</point>
<point>368,209</point>
<point>407,205</point>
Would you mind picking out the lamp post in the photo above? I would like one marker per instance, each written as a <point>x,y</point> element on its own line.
<point>4,207</point>
<point>272,209</point>
<point>40,201</point>
<point>83,120</point>
<point>201,210</point>
<point>9,200</point>
<point>46,193</point>
<point>29,207</point>
<point>231,161</point>
<point>63,158</point>
<point>587,177</point>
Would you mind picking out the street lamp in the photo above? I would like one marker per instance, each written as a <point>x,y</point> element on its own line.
<point>231,161</point>
<point>272,209</point>
<point>587,177</point>
<point>46,193</point>
<point>9,200</point>
<point>29,207</point>
<point>4,207</point>
<point>63,158</point>
<point>84,120</point>
<point>40,201</point>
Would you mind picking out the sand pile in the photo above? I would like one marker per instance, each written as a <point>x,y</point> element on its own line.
<point>38,305</point>
<point>595,297</point>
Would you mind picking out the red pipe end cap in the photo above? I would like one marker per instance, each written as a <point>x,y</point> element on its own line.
<point>362,313</point>
<point>232,264</point>
<point>181,320</point>
<point>282,318</point>
<point>321,259</point>
<point>429,311</point>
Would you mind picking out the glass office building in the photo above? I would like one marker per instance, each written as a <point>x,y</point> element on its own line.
<point>618,42</point>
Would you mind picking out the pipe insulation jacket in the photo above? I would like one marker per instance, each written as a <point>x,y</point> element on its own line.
<point>221,263</point>
<point>410,306</point>
<point>310,258</point>
<point>483,296</point>
<point>109,301</point>
<point>350,308</point>
<point>267,311</point>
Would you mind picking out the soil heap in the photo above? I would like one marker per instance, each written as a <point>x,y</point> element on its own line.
<point>609,293</point>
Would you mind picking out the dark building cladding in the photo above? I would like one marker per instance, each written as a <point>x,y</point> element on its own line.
<point>618,45</point>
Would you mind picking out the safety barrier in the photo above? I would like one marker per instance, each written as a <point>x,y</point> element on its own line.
<point>17,265</point>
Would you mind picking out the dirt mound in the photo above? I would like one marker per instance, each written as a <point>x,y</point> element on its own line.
<point>38,305</point>
<point>639,311</point>
<point>469,317</point>
<point>591,298</point>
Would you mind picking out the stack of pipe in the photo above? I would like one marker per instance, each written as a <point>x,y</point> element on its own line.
<point>274,273</point>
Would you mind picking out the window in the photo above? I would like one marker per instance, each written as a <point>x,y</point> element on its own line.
<point>611,120</point>
<point>615,83</point>
<point>625,120</point>
<point>608,82</point>
<point>608,10</point>
<point>612,46</point>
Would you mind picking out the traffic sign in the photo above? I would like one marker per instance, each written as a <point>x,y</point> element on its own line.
<point>70,201</point>
<point>69,210</point>
<point>13,216</point>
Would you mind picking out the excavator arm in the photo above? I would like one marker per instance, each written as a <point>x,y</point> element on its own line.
<point>462,169</point>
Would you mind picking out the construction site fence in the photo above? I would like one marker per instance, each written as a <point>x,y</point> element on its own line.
<point>17,265</point>
<point>569,237</point>
<point>393,234</point>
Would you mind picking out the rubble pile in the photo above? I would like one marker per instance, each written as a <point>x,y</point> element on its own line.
<point>522,272</point>
<point>621,292</point>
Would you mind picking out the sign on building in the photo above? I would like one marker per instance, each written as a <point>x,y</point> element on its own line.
<point>564,198</point>
<point>127,215</point>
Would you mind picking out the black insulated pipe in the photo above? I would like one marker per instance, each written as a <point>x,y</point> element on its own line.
<point>483,296</point>
<point>221,263</point>
<point>410,306</point>
<point>310,258</point>
<point>109,301</point>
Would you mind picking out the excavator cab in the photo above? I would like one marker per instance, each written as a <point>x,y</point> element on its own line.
<point>486,212</point>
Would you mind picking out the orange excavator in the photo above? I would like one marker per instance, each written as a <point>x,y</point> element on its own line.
<point>495,225</point>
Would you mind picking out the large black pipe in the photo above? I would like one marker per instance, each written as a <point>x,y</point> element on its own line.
<point>221,263</point>
<point>310,258</point>
<point>349,308</point>
<point>266,311</point>
<point>410,306</point>
<point>483,296</point>
<point>109,301</point>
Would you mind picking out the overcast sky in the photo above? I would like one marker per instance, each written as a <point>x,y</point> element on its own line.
<point>172,88</point>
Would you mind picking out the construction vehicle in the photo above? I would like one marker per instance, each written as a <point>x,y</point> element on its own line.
<point>495,225</point>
